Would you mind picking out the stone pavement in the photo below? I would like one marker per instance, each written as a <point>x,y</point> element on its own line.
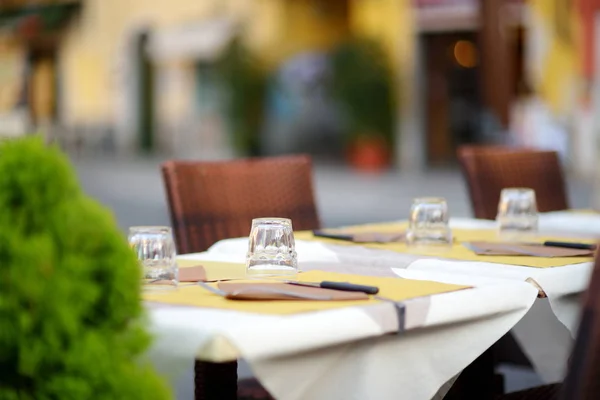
<point>133,189</point>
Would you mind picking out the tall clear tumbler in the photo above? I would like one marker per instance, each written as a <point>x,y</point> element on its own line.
<point>428,224</point>
<point>155,250</point>
<point>517,213</point>
<point>271,248</point>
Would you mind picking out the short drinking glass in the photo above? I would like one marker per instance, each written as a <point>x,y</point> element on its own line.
<point>155,249</point>
<point>271,248</point>
<point>517,212</point>
<point>428,223</point>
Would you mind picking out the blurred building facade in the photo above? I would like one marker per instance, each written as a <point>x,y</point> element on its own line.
<point>132,67</point>
<point>30,36</point>
<point>137,73</point>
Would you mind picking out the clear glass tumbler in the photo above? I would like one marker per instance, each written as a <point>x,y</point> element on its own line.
<point>517,213</point>
<point>271,248</point>
<point>155,249</point>
<point>428,223</point>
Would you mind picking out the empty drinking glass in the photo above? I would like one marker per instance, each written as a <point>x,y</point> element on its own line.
<point>271,248</point>
<point>155,249</point>
<point>517,212</point>
<point>428,223</point>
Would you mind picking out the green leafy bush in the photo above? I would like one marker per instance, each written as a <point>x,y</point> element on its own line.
<point>71,319</point>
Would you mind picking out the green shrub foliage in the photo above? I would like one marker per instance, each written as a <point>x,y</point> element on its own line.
<point>71,319</point>
<point>364,86</point>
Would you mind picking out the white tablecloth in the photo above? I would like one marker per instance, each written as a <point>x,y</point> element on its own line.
<point>580,224</point>
<point>545,333</point>
<point>346,353</point>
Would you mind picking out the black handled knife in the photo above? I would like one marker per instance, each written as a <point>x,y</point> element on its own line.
<point>345,286</point>
<point>570,245</point>
<point>338,236</point>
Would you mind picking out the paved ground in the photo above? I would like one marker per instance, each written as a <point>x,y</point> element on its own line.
<point>132,188</point>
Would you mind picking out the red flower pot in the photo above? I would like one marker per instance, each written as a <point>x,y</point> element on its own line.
<point>369,153</point>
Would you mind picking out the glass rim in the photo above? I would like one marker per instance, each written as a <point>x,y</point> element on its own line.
<point>429,199</point>
<point>268,220</point>
<point>518,190</point>
<point>150,229</point>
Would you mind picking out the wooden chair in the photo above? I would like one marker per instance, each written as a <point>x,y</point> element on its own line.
<point>211,201</point>
<point>488,170</point>
<point>581,381</point>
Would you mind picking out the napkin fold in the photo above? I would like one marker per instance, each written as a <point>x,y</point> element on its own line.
<point>192,274</point>
<point>520,249</point>
<point>209,271</point>
<point>284,291</point>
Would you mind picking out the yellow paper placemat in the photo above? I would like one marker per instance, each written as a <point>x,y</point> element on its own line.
<point>584,211</point>
<point>457,251</point>
<point>216,270</point>
<point>393,288</point>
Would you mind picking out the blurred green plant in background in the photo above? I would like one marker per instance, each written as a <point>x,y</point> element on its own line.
<point>71,318</point>
<point>362,84</point>
<point>243,82</point>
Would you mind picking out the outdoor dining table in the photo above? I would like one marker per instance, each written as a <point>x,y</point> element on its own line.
<point>359,351</point>
<point>546,331</point>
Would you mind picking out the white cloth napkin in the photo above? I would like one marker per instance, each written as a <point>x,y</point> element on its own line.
<point>236,249</point>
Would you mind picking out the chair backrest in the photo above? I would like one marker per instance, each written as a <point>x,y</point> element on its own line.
<point>211,201</point>
<point>488,170</point>
<point>582,381</point>
<point>467,156</point>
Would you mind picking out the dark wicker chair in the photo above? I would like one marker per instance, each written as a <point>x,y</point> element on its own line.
<point>211,201</point>
<point>488,170</point>
<point>581,382</point>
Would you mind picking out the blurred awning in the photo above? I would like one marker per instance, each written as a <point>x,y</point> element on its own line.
<point>204,41</point>
<point>554,59</point>
<point>34,19</point>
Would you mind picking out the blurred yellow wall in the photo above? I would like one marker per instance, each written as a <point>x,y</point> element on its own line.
<point>273,29</point>
<point>557,69</point>
<point>308,24</point>
<point>391,22</point>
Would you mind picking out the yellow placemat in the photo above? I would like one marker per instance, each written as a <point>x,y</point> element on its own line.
<point>393,288</point>
<point>585,211</point>
<point>457,251</point>
<point>216,270</point>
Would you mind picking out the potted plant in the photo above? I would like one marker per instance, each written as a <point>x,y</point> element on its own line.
<point>71,315</point>
<point>243,83</point>
<point>363,87</point>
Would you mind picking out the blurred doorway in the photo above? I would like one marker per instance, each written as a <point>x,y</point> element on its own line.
<point>42,85</point>
<point>145,93</point>
<point>453,105</point>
